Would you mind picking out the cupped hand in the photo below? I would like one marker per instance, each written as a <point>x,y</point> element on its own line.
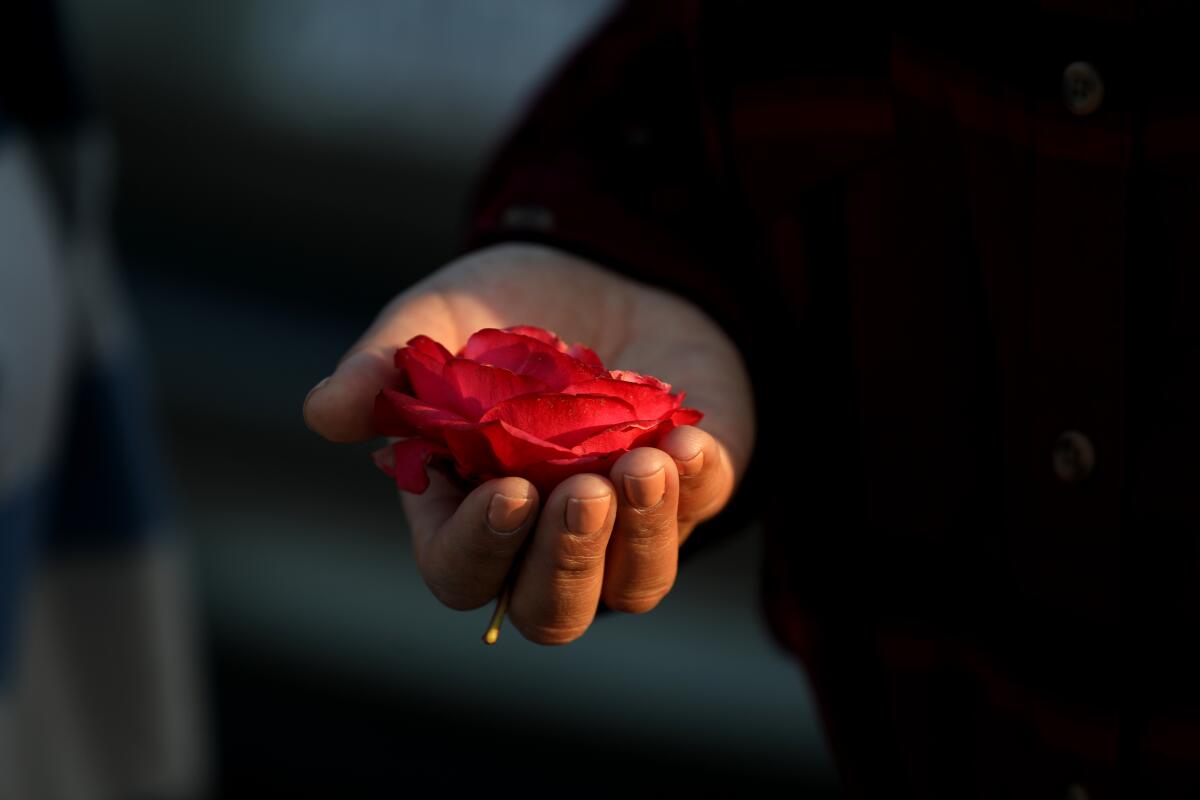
<point>594,538</point>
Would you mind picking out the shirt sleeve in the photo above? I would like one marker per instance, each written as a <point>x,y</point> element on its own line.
<point>619,160</point>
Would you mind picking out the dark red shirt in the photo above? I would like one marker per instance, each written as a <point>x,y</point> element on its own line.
<point>962,257</point>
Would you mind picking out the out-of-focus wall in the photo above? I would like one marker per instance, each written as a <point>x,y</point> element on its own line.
<point>286,166</point>
<point>311,133</point>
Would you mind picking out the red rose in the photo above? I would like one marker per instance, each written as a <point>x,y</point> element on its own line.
<point>518,402</point>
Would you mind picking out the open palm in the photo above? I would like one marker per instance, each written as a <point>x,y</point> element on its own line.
<point>591,538</point>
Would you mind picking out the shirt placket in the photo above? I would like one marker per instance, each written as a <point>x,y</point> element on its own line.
<point>1077,346</point>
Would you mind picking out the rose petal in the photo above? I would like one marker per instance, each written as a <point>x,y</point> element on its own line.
<point>546,475</point>
<point>648,401</point>
<point>516,448</point>
<point>620,438</point>
<point>645,433</point>
<point>396,410</point>
<point>405,461</point>
<point>586,355</point>
<point>388,420</point>
<point>426,346</point>
<point>686,416</point>
<point>472,452</point>
<point>527,356</point>
<point>577,351</point>
<point>479,387</point>
<point>499,447</point>
<point>560,418</point>
<point>635,377</point>
<point>425,376</point>
<point>541,334</point>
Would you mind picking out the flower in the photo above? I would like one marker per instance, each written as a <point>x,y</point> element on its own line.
<point>517,401</point>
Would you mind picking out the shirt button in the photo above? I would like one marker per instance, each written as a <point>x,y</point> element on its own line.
<point>1074,457</point>
<point>1083,90</point>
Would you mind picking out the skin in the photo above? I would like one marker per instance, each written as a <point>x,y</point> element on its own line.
<point>594,537</point>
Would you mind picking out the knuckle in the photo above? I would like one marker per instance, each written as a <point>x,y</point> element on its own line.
<point>649,532</point>
<point>578,553</point>
<point>549,633</point>
<point>638,598</point>
<point>554,615</point>
<point>635,603</point>
<point>575,559</point>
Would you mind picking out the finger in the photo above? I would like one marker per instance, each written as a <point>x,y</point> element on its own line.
<point>642,557</point>
<point>706,478</point>
<point>340,407</point>
<point>557,589</point>
<point>465,546</point>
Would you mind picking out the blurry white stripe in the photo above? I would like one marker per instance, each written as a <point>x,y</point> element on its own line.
<point>33,319</point>
<point>107,664</point>
<point>42,711</point>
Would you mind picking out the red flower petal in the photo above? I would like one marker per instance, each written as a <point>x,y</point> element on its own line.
<point>586,355</point>
<point>686,416</point>
<point>620,438</point>
<point>395,410</point>
<point>428,347</point>
<point>541,334</point>
<point>526,356</point>
<point>425,376</point>
<point>479,387</point>
<point>472,452</point>
<point>515,446</point>
<point>577,351</point>
<point>646,433</point>
<point>634,377</point>
<point>405,461</point>
<point>546,475</point>
<point>648,401</point>
<point>388,420</point>
<point>499,447</point>
<point>561,418</point>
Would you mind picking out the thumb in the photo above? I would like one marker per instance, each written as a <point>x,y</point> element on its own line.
<point>340,407</point>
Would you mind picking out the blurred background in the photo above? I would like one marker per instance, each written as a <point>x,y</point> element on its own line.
<point>282,168</point>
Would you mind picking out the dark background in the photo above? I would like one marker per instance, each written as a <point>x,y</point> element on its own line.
<point>284,168</point>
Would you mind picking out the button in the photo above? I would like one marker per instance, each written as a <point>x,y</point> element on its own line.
<point>1077,792</point>
<point>1083,91</point>
<point>1074,457</point>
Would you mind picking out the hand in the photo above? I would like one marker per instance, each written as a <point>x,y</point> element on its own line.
<point>593,538</point>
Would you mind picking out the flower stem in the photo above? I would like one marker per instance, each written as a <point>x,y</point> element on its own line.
<point>493,631</point>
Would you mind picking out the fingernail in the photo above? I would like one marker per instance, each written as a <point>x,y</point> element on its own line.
<point>505,514</point>
<point>644,491</point>
<point>316,389</point>
<point>691,466</point>
<point>307,397</point>
<point>587,514</point>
